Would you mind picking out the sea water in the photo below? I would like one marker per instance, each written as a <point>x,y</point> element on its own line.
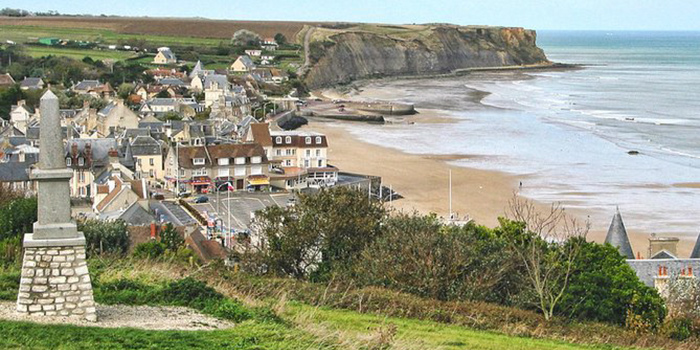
<point>569,134</point>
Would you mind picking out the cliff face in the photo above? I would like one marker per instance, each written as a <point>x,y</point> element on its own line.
<point>356,55</point>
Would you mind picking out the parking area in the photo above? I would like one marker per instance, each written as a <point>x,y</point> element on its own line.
<point>238,207</point>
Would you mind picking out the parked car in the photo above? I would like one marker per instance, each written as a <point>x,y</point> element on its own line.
<point>201,199</point>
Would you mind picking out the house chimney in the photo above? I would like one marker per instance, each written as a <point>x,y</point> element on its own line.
<point>74,149</point>
<point>88,154</point>
<point>113,156</point>
<point>153,230</point>
<point>21,103</point>
<point>658,244</point>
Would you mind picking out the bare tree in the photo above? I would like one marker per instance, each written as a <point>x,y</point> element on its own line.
<point>547,249</point>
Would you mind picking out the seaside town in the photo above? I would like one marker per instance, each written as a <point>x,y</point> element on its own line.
<point>158,182</point>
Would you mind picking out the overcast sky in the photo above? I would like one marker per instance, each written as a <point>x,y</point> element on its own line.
<point>534,14</point>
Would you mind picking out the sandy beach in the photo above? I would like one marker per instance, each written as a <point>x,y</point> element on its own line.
<point>423,179</point>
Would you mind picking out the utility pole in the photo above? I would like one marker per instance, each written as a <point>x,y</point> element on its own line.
<point>450,196</point>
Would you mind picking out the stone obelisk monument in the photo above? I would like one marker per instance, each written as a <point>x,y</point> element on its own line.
<point>55,279</point>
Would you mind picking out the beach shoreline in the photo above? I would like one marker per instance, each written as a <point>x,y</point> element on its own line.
<point>422,179</point>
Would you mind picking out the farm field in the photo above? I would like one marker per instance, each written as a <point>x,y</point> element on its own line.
<point>161,28</point>
<point>23,34</point>
<point>79,54</point>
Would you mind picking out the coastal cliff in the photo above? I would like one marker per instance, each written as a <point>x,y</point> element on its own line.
<point>344,56</point>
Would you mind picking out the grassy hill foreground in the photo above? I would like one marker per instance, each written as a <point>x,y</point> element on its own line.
<point>268,313</point>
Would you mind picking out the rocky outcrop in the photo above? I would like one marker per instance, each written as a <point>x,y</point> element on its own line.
<point>353,55</point>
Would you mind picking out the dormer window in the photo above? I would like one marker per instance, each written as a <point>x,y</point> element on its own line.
<point>81,161</point>
<point>68,161</point>
<point>307,140</point>
<point>198,161</point>
<point>318,140</point>
<point>278,139</point>
<point>288,140</point>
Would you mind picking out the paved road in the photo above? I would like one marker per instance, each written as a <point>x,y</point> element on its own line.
<point>240,206</point>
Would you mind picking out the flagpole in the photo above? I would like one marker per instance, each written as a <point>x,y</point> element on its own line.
<point>228,206</point>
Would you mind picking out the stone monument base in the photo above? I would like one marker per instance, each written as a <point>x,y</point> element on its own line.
<point>55,279</point>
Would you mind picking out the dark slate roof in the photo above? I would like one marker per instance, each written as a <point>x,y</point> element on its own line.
<point>145,146</point>
<point>137,216</point>
<point>31,83</point>
<point>87,85</point>
<point>172,81</point>
<point>664,254</point>
<point>14,171</point>
<point>617,237</point>
<point>696,251</point>
<point>133,133</point>
<point>221,80</point>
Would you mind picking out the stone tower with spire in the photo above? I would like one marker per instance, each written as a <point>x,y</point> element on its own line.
<point>55,279</point>
<point>617,236</point>
<point>696,250</point>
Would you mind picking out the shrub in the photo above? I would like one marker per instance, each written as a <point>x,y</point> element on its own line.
<point>11,250</point>
<point>189,292</point>
<point>105,237</point>
<point>419,255</point>
<point>151,250</point>
<point>232,310</point>
<point>17,217</point>
<point>325,232</point>
<point>679,329</point>
<point>171,238</point>
<point>602,288</point>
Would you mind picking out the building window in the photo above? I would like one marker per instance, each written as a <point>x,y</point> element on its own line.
<point>81,161</point>
<point>288,139</point>
<point>83,192</point>
<point>288,162</point>
<point>320,163</point>
<point>68,161</point>
<point>151,161</point>
<point>278,139</point>
<point>81,176</point>
<point>223,172</point>
<point>199,172</point>
<point>278,152</point>
<point>288,152</point>
<point>198,161</point>
<point>239,160</point>
<point>150,173</point>
<point>256,170</point>
<point>239,171</point>
<point>318,153</point>
<point>306,163</point>
<point>182,172</point>
<point>308,153</point>
<point>223,161</point>
<point>318,140</point>
<point>307,140</point>
<point>256,160</point>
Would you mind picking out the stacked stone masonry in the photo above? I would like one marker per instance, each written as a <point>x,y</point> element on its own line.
<point>55,282</point>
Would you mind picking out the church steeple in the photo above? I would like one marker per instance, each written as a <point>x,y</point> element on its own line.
<point>696,251</point>
<point>617,236</point>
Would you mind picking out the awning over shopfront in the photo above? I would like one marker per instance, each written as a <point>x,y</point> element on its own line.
<point>201,180</point>
<point>258,180</point>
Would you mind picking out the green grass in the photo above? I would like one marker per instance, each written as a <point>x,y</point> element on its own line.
<point>78,54</point>
<point>417,334</point>
<point>246,335</point>
<point>23,34</point>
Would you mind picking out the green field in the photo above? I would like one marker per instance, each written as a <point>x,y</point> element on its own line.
<point>355,328</point>
<point>79,54</point>
<point>246,335</point>
<point>24,34</point>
